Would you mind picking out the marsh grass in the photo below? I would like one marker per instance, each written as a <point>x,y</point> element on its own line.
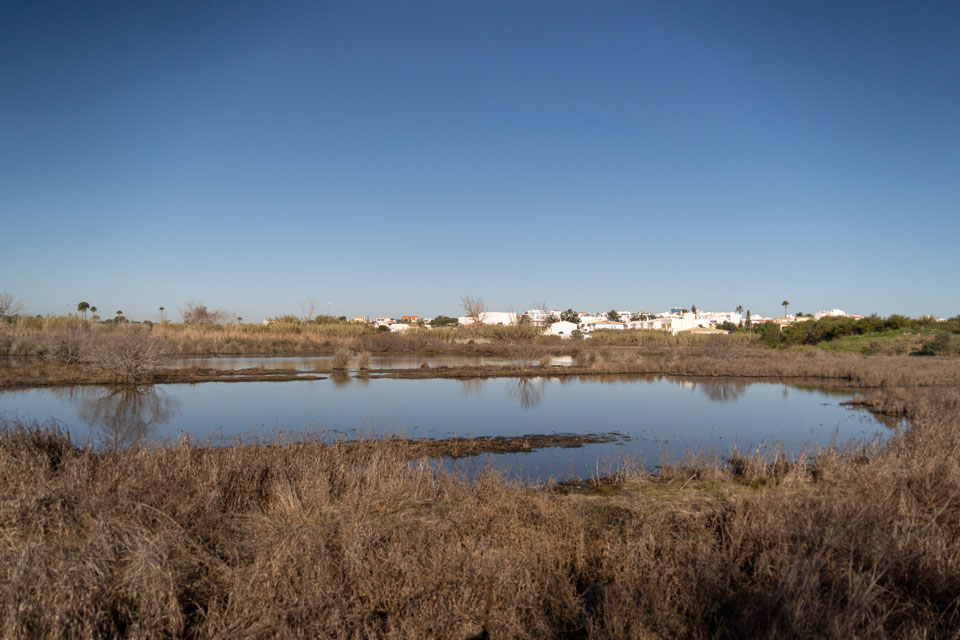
<point>340,359</point>
<point>315,540</point>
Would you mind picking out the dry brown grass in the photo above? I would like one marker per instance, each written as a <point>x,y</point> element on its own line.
<point>307,540</point>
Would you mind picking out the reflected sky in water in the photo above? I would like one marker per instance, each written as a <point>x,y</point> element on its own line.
<point>659,415</point>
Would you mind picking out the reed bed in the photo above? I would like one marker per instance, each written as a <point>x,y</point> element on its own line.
<point>314,540</point>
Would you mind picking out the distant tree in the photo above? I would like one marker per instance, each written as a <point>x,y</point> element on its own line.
<point>93,309</point>
<point>785,304</point>
<point>161,313</point>
<point>770,333</point>
<point>308,309</point>
<point>473,307</point>
<point>119,313</point>
<point>739,310</point>
<point>196,313</point>
<point>9,305</point>
<point>570,316</point>
<point>443,321</point>
<point>82,308</point>
<point>239,320</point>
<point>749,324</point>
<point>613,315</point>
<point>693,308</point>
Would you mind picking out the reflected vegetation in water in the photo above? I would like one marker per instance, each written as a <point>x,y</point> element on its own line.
<point>723,391</point>
<point>660,416</point>
<point>123,417</point>
<point>528,391</point>
<point>471,386</point>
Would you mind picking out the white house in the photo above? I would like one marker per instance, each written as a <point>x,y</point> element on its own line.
<point>833,313</point>
<point>595,325</point>
<point>490,317</point>
<point>561,328</point>
<point>537,317</point>
<point>398,327</point>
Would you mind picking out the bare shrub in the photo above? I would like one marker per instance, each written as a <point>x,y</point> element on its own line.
<point>340,359</point>
<point>363,360</point>
<point>196,313</point>
<point>9,305</point>
<point>129,353</point>
<point>524,353</point>
<point>68,346</point>
<point>718,347</point>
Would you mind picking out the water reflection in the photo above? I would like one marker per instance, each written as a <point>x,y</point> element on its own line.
<point>123,417</point>
<point>724,392</point>
<point>340,379</point>
<point>471,386</point>
<point>662,416</point>
<point>529,391</point>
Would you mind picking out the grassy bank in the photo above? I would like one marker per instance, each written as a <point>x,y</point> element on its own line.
<point>333,541</point>
<point>709,359</point>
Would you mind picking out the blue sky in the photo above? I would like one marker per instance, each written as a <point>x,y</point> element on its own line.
<point>388,158</point>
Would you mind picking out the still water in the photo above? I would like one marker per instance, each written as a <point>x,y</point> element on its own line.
<point>657,416</point>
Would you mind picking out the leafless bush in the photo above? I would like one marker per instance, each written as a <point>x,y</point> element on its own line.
<point>129,353</point>
<point>9,305</point>
<point>69,345</point>
<point>363,360</point>
<point>719,347</point>
<point>340,359</point>
<point>524,353</point>
<point>196,313</point>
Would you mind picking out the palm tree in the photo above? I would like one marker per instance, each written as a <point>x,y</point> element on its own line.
<point>161,313</point>
<point>785,304</point>
<point>739,310</point>
<point>82,308</point>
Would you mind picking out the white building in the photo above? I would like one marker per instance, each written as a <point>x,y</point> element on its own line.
<point>490,317</point>
<point>833,313</point>
<point>398,327</point>
<point>561,328</point>
<point>596,325</point>
<point>537,317</point>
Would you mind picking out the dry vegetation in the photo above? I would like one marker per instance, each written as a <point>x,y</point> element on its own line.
<point>363,540</point>
<point>61,351</point>
<point>307,540</point>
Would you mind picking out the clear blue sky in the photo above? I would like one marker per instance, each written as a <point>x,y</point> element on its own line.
<point>390,157</point>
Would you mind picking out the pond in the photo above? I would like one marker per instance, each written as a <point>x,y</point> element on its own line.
<point>656,416</point>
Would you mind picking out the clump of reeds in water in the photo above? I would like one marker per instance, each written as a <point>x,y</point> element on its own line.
<point>340,359</point>
<point>363,361</point>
